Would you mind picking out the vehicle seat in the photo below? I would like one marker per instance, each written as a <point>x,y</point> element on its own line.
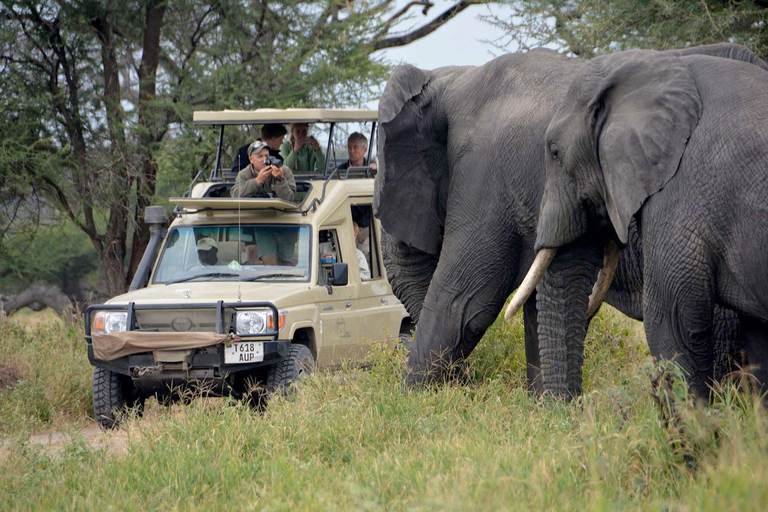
<point>232,250</point>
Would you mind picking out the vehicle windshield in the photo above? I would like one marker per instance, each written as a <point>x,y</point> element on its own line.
<point>248,252</point>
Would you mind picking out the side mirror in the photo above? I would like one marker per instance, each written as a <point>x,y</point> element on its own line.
<point>339,275</point>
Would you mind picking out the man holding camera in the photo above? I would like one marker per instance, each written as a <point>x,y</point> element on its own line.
<point>265,176</point>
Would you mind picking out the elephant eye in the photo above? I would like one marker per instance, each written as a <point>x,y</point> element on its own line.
<point>553,151</point>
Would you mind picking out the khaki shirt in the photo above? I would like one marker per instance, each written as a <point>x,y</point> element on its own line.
<point>245,184</point>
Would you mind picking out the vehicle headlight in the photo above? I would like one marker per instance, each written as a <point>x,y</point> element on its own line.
<point>257,322</point>
<point>107,322</point>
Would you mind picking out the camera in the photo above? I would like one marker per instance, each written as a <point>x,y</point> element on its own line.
<point>273,160</point>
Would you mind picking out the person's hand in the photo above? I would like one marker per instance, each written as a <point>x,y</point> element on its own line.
<point>277,172</point>
<point>314,143</point>
<point>263,175</point>
<point>374,166</point>
<point>300,144</point>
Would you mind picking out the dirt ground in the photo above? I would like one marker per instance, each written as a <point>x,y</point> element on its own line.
<point>113,442</point>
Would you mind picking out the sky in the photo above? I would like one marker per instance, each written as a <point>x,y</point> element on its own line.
<point>457,43</point>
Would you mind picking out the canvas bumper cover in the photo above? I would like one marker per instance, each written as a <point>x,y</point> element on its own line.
<point>107,347</point>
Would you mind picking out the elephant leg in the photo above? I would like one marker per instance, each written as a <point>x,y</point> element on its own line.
<point>678,314</point>
<point>729,351</point>
<point>471,282</point>
<point>532,361</point>
<point>755,333</point>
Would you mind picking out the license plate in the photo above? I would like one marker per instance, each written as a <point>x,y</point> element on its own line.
<point>244,352</point>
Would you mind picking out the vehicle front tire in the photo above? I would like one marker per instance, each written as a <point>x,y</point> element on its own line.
<point>299,364</point>
<point>114,395</point>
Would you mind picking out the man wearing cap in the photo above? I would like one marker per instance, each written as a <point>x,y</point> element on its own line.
<point>207,251</point>
<point>261,180</point>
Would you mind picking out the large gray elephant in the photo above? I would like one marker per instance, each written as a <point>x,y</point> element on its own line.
<point>461,179</point>
<point>679,143</point>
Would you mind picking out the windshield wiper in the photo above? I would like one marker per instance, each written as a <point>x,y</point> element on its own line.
<point>269,276</point>
<point>209,274</point>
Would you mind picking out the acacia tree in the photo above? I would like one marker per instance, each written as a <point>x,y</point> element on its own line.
<point>99,88</point>
<point>587,28</point>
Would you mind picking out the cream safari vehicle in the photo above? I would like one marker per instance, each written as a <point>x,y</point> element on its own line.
<point>236,324</point>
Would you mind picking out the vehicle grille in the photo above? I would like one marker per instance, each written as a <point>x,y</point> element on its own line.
<point>180,320</point>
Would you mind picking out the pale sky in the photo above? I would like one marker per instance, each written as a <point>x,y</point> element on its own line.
<point>459,42</point>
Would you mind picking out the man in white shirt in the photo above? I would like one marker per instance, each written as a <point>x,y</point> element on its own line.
<point>362,263</point>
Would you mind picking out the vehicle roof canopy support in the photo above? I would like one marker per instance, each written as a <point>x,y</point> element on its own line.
<point>370,144</point>
<point>217,169</point>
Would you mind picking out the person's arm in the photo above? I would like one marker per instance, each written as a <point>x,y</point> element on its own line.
<point>286,187</point>
<point>289,155</point>
<point>319,159</point>
<point>362,263</point>
<point>244,185</point>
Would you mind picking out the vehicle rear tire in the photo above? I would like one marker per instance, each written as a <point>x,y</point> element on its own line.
<point>299,364</point>
<point>114,395</point>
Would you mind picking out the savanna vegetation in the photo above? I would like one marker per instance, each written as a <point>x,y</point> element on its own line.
<point>357,440</point>
<point>95,124</point>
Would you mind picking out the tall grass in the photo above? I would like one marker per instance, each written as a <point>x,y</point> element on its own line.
<point>358,441</point>
<point>52,375</point>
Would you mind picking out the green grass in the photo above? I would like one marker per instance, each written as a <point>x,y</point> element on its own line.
<point>358,441</point>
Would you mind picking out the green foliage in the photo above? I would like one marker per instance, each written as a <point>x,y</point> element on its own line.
<point>358,440</point>
<point>592,27</point>
<point>58,253</point>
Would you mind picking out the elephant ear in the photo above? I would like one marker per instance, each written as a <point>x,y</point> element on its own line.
<point>409,195</point>
<point>641,119</point>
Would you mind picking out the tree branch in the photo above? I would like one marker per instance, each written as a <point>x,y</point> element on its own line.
<point>424,30</point>
<point>67,208</point>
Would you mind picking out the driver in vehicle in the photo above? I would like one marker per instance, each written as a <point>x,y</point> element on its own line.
<point>265,176</point>
<point>207,251</point>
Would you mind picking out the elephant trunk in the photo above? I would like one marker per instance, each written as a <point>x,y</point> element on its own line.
<point>409,272</point>
<point>561,300</point>
<point>532,278</point>
<point>604,278</point>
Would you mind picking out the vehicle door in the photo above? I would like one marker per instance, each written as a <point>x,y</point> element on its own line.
<point>339,328</point>
<point>379,310</point>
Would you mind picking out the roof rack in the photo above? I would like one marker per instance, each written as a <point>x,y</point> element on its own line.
<point>288,115</point>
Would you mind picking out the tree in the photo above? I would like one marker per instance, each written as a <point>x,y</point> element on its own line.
<point>99,90</point>
<point>592,27</point>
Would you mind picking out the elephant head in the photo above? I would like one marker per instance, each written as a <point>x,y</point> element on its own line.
<point>616,139</point>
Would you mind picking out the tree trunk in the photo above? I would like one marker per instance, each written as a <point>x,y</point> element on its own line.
<point>150,129</point>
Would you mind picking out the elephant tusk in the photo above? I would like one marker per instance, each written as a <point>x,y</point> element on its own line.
<point>604,278</point>
<point>532,278</point>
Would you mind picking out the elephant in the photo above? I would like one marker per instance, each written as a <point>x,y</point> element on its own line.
<point>460,182</point>
<point>676,143</point>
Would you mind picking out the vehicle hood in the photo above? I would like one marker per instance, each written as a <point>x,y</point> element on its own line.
<point>210,292</point>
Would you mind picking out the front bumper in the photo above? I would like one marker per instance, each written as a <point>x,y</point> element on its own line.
<point>204,363</point>
<point>199,363</point>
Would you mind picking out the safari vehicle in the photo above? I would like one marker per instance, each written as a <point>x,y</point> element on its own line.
<point>243,324</point>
